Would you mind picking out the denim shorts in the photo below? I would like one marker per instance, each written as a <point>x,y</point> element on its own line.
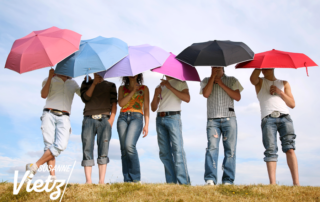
<point>270,126</point>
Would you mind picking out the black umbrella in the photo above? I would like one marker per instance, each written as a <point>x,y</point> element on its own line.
<point>216,53</point>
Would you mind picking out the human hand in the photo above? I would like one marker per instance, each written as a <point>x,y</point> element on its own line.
<point>51,73</point>
<point>111,122</point>
<point>275,90</point>
<point>158,91</point>
<point>96,79</point>
<point>136,87</point>
<point>218,81</point>
<point>214,71</point>
<point>165,83</point>
<point>145,131</point>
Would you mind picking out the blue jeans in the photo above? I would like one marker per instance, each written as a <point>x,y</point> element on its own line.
<point>129,126</point>
<point>56,131</point>
<point>227,128</point>
<point>172,155</point>
<point>270,126</point>
<point>91,127</point>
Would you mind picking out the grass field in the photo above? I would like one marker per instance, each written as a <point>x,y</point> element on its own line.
<point>164,192</point>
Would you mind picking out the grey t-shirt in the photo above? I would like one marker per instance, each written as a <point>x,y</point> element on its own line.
<point>219,103</point>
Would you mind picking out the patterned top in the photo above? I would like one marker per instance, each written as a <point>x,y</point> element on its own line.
<point>219,103</point>
<point>136,102</point>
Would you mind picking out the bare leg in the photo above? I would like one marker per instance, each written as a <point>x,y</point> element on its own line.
<point>47,156</point>
<point>102,173</point>
<point>272,166</point>
<point>293,166</point>
<point>51,165</point>
<point>87,172</point>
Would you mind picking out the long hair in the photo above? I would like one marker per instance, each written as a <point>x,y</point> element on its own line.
<point>126,81</point>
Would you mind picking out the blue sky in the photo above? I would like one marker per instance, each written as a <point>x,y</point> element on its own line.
<point>287,25</point>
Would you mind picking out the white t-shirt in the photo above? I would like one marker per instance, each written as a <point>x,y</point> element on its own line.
<point>61,93</point>
<point>169,101</point>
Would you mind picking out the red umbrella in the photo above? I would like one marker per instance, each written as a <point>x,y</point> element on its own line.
<point>42,48</point>
<point>278,59</point>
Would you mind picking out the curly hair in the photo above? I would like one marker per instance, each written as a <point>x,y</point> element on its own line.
<point>126,82</point>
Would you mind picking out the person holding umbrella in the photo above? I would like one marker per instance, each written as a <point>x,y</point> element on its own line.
<point>221,91</point>
<point>275,97</point>
<point>100,98</point>
<point>58,90</point>
<point>134,102</point>
<point>167,99</point>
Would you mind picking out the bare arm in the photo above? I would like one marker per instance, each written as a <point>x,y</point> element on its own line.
<point>206,91</point>
<point>234,94</point>
<point>113,113</point>
<point>124,100</point>
<point>286,95</point>
<point>46,88</point>
<point>146,111</point>
<point>256,80</point>
<point>182,95</point>
<point>156,99</point>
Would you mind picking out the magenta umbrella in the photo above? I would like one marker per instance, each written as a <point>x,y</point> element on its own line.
<point>179,70</point>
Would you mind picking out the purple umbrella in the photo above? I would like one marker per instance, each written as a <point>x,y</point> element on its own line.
<point>141,58</point>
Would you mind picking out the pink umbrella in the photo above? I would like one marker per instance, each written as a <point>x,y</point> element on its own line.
<point>179,70</point>
<point>42,48</point>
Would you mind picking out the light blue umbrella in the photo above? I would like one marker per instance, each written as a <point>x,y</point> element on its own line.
<point>95,55</point>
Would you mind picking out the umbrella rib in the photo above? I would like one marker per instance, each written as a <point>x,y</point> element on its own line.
<point>45,52</point>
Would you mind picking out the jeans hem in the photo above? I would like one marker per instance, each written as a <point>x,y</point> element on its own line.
<point>103,161</point>
<point>86,163</point>
<point>270,159</point>
<point>54,151</point>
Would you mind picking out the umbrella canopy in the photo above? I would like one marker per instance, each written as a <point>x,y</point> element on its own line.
<point>42,48</point>
<point>179,70</point>
<point>278,59</point>
<point>95,55</point>
<point>141,58</point>
<point>216,53</point>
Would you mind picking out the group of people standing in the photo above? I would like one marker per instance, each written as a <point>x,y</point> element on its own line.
<point>101,99</point>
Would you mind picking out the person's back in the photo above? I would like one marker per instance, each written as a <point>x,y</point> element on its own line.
<point>275,97</point>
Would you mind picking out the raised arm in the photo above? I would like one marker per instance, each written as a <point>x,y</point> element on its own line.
<point>93,85</point>
<point>156,99</point>
<point>146,111</point>
<point>286,95</point>
<point>206,91</point>
<point>254,78</point>
<point>234,94</point>
<point>124,100</point>
<point>182,95</point>
<point>46,88</point>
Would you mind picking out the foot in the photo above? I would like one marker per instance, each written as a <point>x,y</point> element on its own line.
<point>210,182</point>
<point>89,182</point>
<point>226,183</point>
<point>32,167</point>
<point>53,178</point>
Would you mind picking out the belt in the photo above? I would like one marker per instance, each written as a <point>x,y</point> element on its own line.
<point>98,116</point>
<point>162,114</point>
<point>280,115</point>
<point>56,112</point>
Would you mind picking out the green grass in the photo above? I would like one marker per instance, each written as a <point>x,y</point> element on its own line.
<point>168,192</point>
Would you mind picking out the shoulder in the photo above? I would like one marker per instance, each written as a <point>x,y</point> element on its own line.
<point>108,83</point>
<point>72,81</point>
<point>144,87</point>
<point>205,80</point>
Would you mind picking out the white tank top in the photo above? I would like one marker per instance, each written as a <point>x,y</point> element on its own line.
<point>268,102</point>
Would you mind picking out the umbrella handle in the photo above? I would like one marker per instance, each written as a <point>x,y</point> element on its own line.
<point>306,68</point>
<point>87,76</point>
